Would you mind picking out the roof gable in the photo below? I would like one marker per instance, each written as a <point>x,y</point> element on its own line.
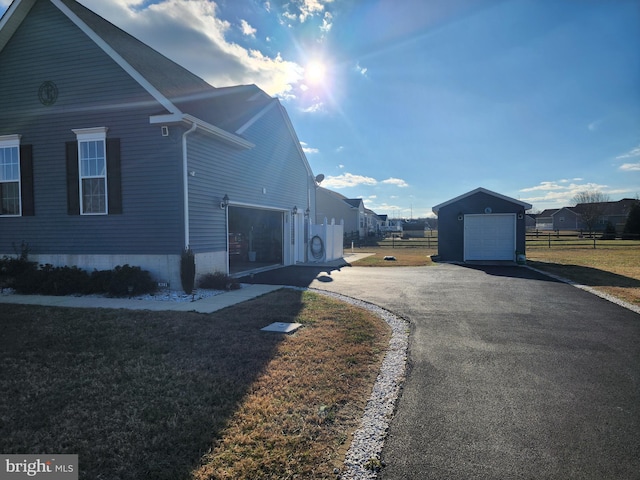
<point>182,95</point>
<point>524,205</point>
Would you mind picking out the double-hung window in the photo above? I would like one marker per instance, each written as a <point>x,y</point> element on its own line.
<point>10,204</point>
<point>92,167</point>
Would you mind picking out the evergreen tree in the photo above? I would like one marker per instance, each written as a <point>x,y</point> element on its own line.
<point>632,225</point>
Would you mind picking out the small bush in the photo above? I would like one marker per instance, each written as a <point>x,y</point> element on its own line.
<point>187,270</point>
<point>218,281</point>
<point>128,280</point>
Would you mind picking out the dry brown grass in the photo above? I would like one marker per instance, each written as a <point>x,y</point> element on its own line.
<point>405,256</point>
<point>612,267</point>
<point>164,395</point>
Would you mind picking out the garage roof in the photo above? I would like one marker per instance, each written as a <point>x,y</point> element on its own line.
<point>524,205</point>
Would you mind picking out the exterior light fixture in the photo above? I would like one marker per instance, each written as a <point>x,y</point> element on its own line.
<point>225,202</point>
<point>307,212</point>
<point>295,210</point>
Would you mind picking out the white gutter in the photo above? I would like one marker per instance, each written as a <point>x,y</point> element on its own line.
<point>217,132</point>
<point>185,182</point>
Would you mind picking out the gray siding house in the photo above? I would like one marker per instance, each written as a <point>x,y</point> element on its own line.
<point>110,153</point>
<point>481,225</point>
<point>332,205</point>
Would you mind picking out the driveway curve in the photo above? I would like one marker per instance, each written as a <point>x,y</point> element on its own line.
<point>511,374</point>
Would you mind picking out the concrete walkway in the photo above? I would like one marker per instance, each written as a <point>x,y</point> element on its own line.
<point>205,305</point>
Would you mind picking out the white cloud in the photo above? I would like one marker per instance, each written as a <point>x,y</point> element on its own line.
<point>309,8</point>
<point>340,166</point>
<point>348,180</point>
<point>398,182</point>
<point>327,22</point>
<point>315,107</point>
<point>634,152</point>
<point>203,47</point>
<point>361,70</point>
<point>545,186</point>
<point>554,195</point>
<point>307,149</point>
<point>247,29</point>
<point>267,7</point>
<point>630,167</point>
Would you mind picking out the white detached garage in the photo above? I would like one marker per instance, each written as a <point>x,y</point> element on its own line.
<point>481,225</point>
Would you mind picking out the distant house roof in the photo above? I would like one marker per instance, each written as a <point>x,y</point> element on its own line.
<point>524,205</point>
<point>547,212</point>
<point>621,207</point>
<point>354,202</point>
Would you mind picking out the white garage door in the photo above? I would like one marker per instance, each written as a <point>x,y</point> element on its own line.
<point>490,237</point>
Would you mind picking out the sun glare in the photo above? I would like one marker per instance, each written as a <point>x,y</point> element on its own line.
<point>315,72</point>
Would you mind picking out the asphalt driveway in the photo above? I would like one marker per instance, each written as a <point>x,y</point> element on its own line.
<point>511,374</point>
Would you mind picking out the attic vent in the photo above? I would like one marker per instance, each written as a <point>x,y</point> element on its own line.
<point>165,131</point>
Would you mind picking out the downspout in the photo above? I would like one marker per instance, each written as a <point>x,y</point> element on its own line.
<point>185,182</point>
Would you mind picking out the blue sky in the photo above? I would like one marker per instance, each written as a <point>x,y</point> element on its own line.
<point>415,102</point>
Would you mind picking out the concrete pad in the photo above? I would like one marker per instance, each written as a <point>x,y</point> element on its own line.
<point>281,327</point>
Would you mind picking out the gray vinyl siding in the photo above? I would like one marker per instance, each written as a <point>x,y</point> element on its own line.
<point>274,164</point>
<point>331,207</point>
<point>93,92</point>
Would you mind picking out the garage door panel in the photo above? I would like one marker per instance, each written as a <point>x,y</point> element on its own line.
<point>489,237</point>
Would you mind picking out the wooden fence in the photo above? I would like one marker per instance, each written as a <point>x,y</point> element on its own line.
<point>577,239</point>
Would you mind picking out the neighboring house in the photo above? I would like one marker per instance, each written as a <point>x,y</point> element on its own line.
<point>566,218</point>
<point>481,225</point>
<point>571,218</point>
<point>373,222</point>
<point>614,212</point>
<point>531,221</point>
<point>112,154</point>
<point>389,225</point>
<point>331,205</point>
<point>544,220</point>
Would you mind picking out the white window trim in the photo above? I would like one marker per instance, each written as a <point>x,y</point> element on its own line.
<point>91,135</point>
<point>10,141</point>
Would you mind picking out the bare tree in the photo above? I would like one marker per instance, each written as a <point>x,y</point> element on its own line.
<point>591,205</point>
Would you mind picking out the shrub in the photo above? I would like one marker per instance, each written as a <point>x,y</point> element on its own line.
<point>128,280</point>
<point>187,270</point>
<point>50,280</point>
<point>11,268</point>
<point>609,232</point>
<point>218,281</point>
<point>100,281</point>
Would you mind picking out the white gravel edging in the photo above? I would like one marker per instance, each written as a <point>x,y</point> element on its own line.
<point>362,460</point>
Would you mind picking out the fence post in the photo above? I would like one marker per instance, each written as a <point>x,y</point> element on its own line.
<point>594,242</point>
<point>549,239</point>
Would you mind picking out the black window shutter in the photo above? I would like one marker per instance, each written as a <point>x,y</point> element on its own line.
<point>73,177</point>
<point>114,176</point>
<point>26,180</point>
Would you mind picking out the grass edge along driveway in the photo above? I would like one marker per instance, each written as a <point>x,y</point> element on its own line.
<point>167,395</point>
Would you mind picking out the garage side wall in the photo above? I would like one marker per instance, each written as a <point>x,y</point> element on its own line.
<point>451,229</point>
